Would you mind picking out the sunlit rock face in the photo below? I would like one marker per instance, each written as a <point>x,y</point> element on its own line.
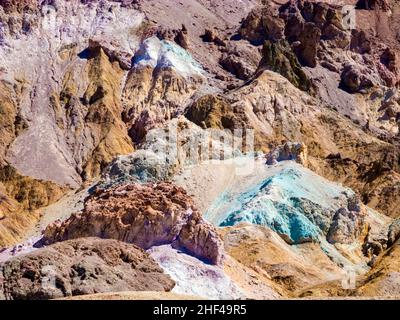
<point>193,276</point>
<point>288,151</point>
<point>66,88</point>
<point>280,112</point>
<point>167,150</point>
<point>304,209</point>
<point>163,54</point>
<point>162,82</point>
<point>347,52</point>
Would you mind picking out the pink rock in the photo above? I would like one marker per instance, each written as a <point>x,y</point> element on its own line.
<point>146,215</point>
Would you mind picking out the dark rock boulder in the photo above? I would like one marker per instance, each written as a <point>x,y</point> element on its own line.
<point>348,223</point>
<point>80,267</point>
<point>373,5</point>
<point>354,79</point>
<point>262,23</point>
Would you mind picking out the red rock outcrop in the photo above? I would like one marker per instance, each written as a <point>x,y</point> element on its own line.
<point>146,215</point>
<point>19,6</point>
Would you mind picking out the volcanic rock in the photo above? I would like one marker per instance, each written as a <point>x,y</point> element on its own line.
<point>141,166</point>
<point>73,140</point>
<point>211,112</point>
<point>288,151</point>
<point>292,268</point>
<point>161,83</point>
<point>360,42</point>
<point>194,277</point>
<point>241,59</point>
<point>114,54</point>
<point>212,36</point>
<point>337,214</point>
<point>169,149</point>
<point>179,36</point>
<point>394,232</point>
<point>308,22</point>
<point>237,66</point>
<point>11,6</point>
<point>146,215</point>
<point>280,58</point>
<point>85,96</point>
<point>383,280</point>
<point>20,196</point>
<point>78,267</point>
<point>389,59</point>
<point>14,222</point>
<point>354,79</point>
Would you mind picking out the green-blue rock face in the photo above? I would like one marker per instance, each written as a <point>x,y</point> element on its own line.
<point>296,203</point>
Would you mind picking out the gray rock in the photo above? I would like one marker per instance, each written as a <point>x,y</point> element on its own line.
<point>346,226</point>
<point>394,232</point>
<point>141,166</point>
<point>288,151</point>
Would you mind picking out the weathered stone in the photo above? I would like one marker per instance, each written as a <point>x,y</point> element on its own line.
<point>288,151</point>
<point>79,267</point>
<point>114,54</point>
<point>373,4</point>
<point>212,36</point>
<point>262,24</point>
<point>179,36</point>
<point>161,83</point>
<point>280,58</point>
<point>211,112</point>
<point>389,59</point>
<point>146,215</point>
<point>360,42</point>
<point>237,66</point>
<point>354,79</point>
<point>394,232</point>
<point>348,224</point>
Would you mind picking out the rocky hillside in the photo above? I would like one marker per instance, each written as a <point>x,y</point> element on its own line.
<point>252,145</point>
